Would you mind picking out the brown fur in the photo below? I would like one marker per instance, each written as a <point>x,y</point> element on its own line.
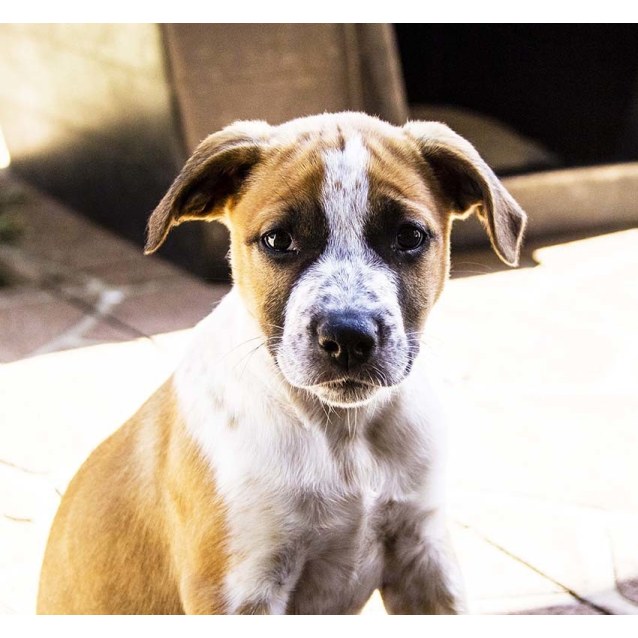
<point>270,204</point>
<point>136,504</point>
<point>398,173</point>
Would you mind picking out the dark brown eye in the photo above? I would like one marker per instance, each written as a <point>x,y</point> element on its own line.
<point>410,237</point>
<point>278,240</point>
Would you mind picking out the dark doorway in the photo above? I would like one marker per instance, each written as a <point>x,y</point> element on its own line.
<point>571,88</point>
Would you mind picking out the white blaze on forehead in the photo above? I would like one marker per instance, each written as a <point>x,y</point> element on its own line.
<point>347,277</point>
<point>345,189</point>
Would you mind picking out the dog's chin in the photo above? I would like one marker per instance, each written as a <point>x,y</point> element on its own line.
<point>345,393</point>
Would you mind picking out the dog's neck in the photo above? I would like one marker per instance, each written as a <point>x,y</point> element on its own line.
<point>237,405</point>
<point>229,364</point>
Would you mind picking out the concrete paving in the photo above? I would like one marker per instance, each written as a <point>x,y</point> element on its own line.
<point>539,366</point>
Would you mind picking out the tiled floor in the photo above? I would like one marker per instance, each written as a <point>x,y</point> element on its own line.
<point>540,366</point>
<point>76,284</point>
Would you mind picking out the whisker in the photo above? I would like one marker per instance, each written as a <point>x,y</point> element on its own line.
<point>239,345</point>
<point>246,358</point>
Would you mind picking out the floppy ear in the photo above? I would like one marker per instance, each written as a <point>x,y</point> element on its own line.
<point>211,179</point>
<point>471,185</point>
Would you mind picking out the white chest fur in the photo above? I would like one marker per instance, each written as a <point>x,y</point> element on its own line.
<point>307,488</point>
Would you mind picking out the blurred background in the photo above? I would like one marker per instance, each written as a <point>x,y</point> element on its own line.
<point>540,363</point>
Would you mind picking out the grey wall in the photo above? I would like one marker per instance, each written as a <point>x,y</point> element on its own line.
<point>88,116</point>
<point>276,72</point>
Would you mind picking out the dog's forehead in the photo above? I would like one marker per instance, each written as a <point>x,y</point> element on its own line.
<point>345,186</point>
<point>351,139</point>
<point>342,161</point>
<point>331,124</point>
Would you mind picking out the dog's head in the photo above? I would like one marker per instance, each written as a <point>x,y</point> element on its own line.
<point>340,230</point>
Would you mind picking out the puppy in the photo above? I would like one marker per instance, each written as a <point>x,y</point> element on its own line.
<point>292,463</point>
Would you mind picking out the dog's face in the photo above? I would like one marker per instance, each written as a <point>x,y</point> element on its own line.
<point>340,231</point>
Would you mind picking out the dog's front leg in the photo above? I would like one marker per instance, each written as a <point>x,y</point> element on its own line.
<point>248,588</point>
<point>420,574</point>
<point>262,578</point>
<point>258,583</point>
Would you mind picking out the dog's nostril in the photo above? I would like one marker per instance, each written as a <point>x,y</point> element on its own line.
<point>363,348</point>
<point>331,347</point>
<point>347,338</point>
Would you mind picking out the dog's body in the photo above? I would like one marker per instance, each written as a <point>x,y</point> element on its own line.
<point>293,462</point>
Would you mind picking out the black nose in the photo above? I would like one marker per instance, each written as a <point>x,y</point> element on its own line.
<point>347,338</point>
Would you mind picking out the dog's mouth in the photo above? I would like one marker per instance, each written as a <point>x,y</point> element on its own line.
<point>347,385</point>
<point>346,392</point>
<point>349,390</point>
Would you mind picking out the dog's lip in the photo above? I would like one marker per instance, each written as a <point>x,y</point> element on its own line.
<point>346,383</point>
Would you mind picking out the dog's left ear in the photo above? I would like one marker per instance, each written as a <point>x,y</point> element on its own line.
<point>211,180</point>
<point>471,186</point>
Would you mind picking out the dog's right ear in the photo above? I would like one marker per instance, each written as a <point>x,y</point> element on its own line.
<point>211,180</point>
<point>471,185</point>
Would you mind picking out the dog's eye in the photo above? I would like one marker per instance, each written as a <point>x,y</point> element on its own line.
<point>278,240</point>
<point>410,237</point>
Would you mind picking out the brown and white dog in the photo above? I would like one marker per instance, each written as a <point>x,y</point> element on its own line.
<point>292,463</point>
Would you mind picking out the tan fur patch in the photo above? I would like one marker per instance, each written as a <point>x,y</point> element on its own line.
<point>273,202</point>
<point>398,173</point>
<point>131,535</point>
